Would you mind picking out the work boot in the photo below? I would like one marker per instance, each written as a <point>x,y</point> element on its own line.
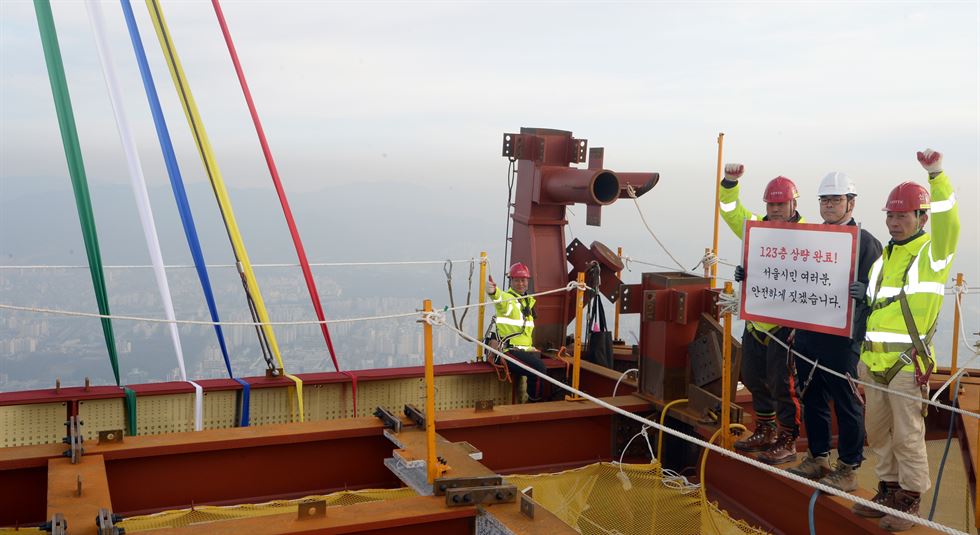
<point>762,439</point>
<point>884,496</point>
<point>782,451</point>
<point>812,467</point>
<point>842,478</point>
<point>905,501</point>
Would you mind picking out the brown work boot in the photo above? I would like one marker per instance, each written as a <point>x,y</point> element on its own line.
<point>886,491</point>
<point>842,478</point>
<point>762,439</point>
<point>812,467</point>
<point>905,501</point>
<point>782,451</point>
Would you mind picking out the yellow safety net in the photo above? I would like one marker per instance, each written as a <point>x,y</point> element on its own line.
<point>607,498</point>
<point>213,513</point>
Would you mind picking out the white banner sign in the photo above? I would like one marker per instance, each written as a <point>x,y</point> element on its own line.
<point>797,275</point>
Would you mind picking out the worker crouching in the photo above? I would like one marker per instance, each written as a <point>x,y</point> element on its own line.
<point>515,326</point>
<point>905,292</point>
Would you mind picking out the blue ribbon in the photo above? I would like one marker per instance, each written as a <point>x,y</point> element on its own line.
<point>180,194</point>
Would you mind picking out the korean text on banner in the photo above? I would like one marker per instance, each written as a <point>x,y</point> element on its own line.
<point>797,275</point>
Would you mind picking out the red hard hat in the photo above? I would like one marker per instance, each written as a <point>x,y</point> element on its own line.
<point>907,197</point>
<point>780,189</point>
<point>519,271</point>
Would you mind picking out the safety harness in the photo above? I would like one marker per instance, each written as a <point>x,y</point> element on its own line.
<point>493,339</point>
<point>919,346</point>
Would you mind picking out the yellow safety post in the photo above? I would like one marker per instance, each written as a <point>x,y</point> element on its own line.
<point>577,363</point>
<point>714,244</point>
<point>430,397</point>
<point>479,310</point>
<point>726,375</point>
<point>956,332</point>
<point>619,252</point>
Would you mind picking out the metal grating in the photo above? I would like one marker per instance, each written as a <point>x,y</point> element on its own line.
<point>271,406</point>
<point>101,415</point>
<point>220,409</point>
<point>452,392</point>
<point>26,425</point>
<point>171,413</point>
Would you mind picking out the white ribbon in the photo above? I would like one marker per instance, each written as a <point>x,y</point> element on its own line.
<point>138,183</point>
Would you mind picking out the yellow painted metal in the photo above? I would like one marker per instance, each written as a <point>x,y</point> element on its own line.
<point>168,413</point>
<point>726,376</point>
<point>328,401</point>
<point>220,409</point>
<point>455,392</point>
<point>430,398</point>
<point>714,243</point>
<point>479,309</point>
<point>102,415</point>
<point>956,333</point>
<point>27,425</point>
<point>619,253</point>
<point>577,362</point>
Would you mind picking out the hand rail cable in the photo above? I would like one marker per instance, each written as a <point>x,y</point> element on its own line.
<point>438,319</point>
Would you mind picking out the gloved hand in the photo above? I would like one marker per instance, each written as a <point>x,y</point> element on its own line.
<point>858,290</point>
<point>739,274</point>
<point>734,171</point>
<point>931,161</point>
<point>491,286</point>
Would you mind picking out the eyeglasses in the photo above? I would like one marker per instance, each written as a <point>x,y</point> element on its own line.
<point>832,200</point>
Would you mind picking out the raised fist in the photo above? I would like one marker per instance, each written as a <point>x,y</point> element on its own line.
<point>733,171</point>
<point>491,286</point>
<point>930,160</point>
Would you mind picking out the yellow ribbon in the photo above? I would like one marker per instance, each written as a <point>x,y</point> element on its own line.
<point>214,174</point>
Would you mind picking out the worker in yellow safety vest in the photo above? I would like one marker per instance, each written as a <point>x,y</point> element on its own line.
<point>905,291</point>
<point>765,369</point>
<point>515,326</point>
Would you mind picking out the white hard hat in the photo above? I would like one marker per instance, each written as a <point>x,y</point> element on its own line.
<point>836,183</point>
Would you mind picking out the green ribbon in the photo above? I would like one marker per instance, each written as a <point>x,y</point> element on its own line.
<point>76,168</point>
<point>130,404</point>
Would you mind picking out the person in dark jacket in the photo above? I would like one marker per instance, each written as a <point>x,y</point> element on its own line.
<point>837,199</point>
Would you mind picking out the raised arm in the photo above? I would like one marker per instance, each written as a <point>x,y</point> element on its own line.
<point>732,210</point>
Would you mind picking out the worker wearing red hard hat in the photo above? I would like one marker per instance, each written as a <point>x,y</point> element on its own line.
<point>905,292</point>
<point>765,369</point>
<point>838,197</point>
<point>515,326</point>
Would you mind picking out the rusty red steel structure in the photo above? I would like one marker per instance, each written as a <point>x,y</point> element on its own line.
<point>547,184</point>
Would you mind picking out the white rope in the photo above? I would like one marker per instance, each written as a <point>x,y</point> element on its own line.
<point>569,287</point>
<point>623,376</point>
<point>632,194</point>
<point>854,380</point>
<point>314,264</point>
<point>627,260</point>
<point>717,449</point>
<point>728,303</point>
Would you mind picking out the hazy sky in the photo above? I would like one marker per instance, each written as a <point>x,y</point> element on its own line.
<point>420,93</point>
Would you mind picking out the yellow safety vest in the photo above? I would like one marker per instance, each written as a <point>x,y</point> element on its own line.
<point>735,214</point>
<point>515,320</point>
<point>921,267</point>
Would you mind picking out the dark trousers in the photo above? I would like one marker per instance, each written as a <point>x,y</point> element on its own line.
<point>767,374</point>
<point>824,387</point>
<point>533,360</point>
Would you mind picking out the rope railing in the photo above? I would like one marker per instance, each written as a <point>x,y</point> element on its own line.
<point>312,264</point>
<point>438,319</point>
<point>569,287</point>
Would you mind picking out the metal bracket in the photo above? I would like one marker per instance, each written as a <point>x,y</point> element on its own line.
<point>444,484</point>
<point>274,372</point>
<point>105,523</point>
<point>57,526</point>
<point>389,420</point>
<point>481,495</point>
<point>110,435</point>
<point>74,440</point>
<point>649,305</point>
<point>484,405</point>
<point>310,510</point>
<point>415,415</point>
<point>527,503</point>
